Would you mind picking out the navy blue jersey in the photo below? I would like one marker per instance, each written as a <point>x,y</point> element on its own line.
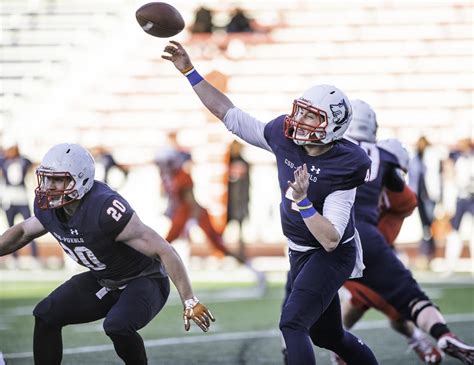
<point>383,173</point>
<point>343,167</point>
<point>89,237</point>
<point>14,170</point>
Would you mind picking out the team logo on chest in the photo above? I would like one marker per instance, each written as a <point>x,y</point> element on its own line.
<point>315,169</point>
<point>73,240</point>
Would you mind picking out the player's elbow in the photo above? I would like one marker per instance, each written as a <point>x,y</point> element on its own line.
<point>332,241</point>
<point>221,110</point>
<point>220,114</point>
<point>331,245</point>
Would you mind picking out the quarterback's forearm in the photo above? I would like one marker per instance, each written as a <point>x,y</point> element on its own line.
<point>323,230</point>
<point>213,99</point>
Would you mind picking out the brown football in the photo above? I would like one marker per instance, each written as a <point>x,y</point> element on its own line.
<point>160,19</point>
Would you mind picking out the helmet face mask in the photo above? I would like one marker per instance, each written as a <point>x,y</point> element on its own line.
<point>303,133</point>
<point>329,105</point>
<point>65,175</point>
<point>55,189</point>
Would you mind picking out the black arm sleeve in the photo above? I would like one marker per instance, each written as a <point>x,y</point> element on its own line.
<point>393,180</point>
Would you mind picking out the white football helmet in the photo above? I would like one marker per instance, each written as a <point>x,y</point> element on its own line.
<point>171,159</point>
<point>363,127</point>
<point>395,147</point>
<point>330,105</point>
<point>72,164</point>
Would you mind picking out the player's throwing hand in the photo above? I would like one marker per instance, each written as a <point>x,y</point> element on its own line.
<point>301,183</point>
<point>177,55</point>
<point>198,313</point>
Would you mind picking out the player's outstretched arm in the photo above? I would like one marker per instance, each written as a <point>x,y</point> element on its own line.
<point>145,240</point>
<point>214,100</point>
<point>20,235</point>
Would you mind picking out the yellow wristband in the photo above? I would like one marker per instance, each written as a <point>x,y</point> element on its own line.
<point>187,69</point>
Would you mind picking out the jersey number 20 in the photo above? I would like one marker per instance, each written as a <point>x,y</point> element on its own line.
<point>115,210</point>
<point>85,256</point>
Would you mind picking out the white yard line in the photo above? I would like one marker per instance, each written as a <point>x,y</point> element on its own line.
<point>468,317</point>
<point>450,318</point>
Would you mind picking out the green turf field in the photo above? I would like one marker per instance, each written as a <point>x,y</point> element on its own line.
<point>246,331</point>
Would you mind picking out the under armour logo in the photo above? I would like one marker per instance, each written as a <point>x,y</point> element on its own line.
<point>314,169</point>
<point>360,341</point>
<point>74,231</point>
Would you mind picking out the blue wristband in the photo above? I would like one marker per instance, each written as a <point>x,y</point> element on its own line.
<point>193,77</point>
<point>306,213</point>
<point>306,208</point>
<point>304,204</point>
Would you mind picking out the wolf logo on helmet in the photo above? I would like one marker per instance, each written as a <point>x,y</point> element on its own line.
<point>340,112</point>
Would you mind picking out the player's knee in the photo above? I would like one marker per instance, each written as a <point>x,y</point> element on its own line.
<point>323,342</point>
<point>288,324</point>
<point>327,339</point>
<point>417,306</point>
<point>43,327</point>
<point>117,326</point>
<point>44,311</point>
<point>284,325</point>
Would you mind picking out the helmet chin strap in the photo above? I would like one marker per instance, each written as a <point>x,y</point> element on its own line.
<point>299,142</point>
<point>55,202</point>
<point>70,208</point>
<point>308,143</point>
<point>68,198</point>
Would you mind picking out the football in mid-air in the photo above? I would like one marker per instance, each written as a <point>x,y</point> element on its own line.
<point>160,19</point>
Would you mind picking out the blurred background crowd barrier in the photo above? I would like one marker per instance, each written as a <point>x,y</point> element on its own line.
<point>84,72</point>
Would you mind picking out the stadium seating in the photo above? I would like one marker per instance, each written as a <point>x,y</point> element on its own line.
<point>78,67</point>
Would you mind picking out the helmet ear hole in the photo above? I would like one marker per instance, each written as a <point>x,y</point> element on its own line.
<point>336,128</point>
<point>84,182</point>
